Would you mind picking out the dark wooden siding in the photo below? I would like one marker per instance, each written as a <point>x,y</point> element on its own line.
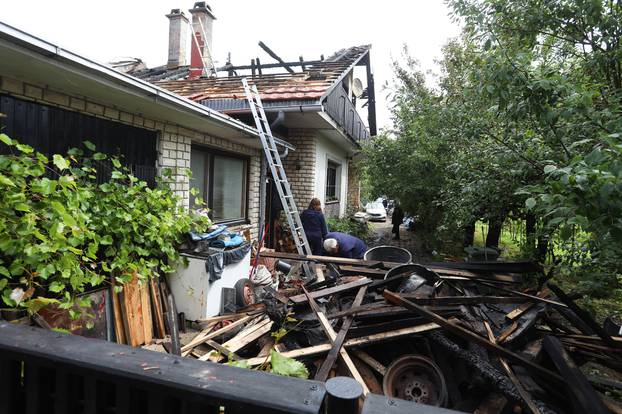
<point>54,130</point>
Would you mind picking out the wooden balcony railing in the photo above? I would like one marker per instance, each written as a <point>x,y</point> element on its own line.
<point>343,111</point>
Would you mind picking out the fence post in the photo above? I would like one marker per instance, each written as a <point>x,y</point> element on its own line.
<point>342,395</point>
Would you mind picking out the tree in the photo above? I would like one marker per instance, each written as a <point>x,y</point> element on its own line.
<point>525,122</point>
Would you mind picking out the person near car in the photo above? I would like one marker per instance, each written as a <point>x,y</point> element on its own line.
<point>314,225</point>
<point>344,245</point>
<point>396,219</point>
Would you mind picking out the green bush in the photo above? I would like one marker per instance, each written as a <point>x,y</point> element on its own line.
<point>350,226</point>
<point>63,235</point>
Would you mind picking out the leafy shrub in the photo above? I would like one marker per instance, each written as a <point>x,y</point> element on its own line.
<point>350,226</point>
<point>63,235</point>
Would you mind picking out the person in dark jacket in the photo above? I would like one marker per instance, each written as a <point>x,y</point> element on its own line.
<point>344,245</point>
<point>315,225</point>
<point>396,219</point>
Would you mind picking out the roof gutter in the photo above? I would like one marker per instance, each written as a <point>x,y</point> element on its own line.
<point>52,51</point>
<point>297,108</point>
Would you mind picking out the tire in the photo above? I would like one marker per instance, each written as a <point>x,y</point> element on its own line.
<point>244,293</point>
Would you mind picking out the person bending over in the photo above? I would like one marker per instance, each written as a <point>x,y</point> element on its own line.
<point>314,225</point>
<point>344,245</point>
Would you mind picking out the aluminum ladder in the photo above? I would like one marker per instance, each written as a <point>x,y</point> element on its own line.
<point>276,167</point>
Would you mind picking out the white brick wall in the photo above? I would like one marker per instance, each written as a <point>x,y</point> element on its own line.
<point>300,166</point>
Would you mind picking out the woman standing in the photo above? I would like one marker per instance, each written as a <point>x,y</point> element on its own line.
<point>315,226</point>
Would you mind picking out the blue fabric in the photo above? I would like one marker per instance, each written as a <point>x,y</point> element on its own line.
<point>349,246</point>
<point>206,236</point>
<point>315,229</point>
<point>235,240</point>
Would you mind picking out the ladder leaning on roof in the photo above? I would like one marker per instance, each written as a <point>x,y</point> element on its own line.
<point>276,167</point>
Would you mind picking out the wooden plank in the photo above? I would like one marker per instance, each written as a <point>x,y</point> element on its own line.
<point>507,332</point>
<point>519,311</point>
<point>222,350</point>
<point>584,316</point>
<point>371,361</point>
<point>119,330</point>
<point>364,340</point>
<point>228,317</point>
<point>531,406</point>
<point>326,259</point>
<point>332,336</point>
<point>132,312</point>
<point>319,273</point>
<point>462,300</point>
<point>525,295</point>
<point>466,334</point>
<point>206,334</point>
<point>243,338</point>
<point>249,334</point>
<point>578,387</point>
<point>522,309</point>
<point>364,271</point>
<point>331,291</point>
<point>145,307</point>
<point>158,312</point>
<point>322,373</point>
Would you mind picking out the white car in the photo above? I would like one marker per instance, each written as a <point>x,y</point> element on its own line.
<point>376,211</point>
<point>361,217</point>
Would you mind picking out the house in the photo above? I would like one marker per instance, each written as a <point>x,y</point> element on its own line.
<point>312,105</point>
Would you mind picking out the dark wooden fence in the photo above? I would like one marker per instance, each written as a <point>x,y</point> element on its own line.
<point>47,372</point>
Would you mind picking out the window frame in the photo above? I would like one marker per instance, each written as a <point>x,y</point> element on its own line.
<point>337,185</point>
<point>208,175</point>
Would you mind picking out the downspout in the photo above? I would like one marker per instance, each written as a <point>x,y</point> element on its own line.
<point>263,176</point>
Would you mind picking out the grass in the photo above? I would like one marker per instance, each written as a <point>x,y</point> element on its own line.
<point>509,242</point>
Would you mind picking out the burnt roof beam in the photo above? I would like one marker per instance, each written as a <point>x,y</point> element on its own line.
<point>270,65</point>
<point>275,57</point>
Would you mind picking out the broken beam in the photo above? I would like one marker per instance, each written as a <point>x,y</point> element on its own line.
<point>470,336</point>
<point>330,291</point>
<point>322,373</point>
<point>583,315</point>
<point>363,340</point>
<point>508,370</point>
<point>275,57</point>
<point>332,336</point>
<point>579,388</point>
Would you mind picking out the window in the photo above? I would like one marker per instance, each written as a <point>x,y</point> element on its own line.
<point>221,182</point>
<point>332,181</point>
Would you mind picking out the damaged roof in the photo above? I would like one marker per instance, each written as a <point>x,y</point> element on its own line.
<point>309,85</point>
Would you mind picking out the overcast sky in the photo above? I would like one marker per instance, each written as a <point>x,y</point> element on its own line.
<point>106,30</point>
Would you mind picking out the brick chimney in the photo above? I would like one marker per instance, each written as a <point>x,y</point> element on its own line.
<point>177,38</point>
<point>201,62</point>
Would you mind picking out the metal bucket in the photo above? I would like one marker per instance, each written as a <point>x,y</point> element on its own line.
<point>388,254</point>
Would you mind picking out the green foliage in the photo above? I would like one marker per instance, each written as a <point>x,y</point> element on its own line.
<point>282,365</point>
<point>348,225</point>
<point>62,232</point>
<point>525,123</point>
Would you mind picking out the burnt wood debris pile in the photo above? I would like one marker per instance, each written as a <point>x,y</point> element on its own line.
<point>464,336</point>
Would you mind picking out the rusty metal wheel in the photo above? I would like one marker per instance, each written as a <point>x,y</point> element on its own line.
<point>415,378</point>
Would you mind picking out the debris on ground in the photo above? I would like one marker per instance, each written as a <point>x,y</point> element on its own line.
<point>463,336</point>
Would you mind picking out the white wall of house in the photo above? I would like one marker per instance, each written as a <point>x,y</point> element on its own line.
<point>327,152</point>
